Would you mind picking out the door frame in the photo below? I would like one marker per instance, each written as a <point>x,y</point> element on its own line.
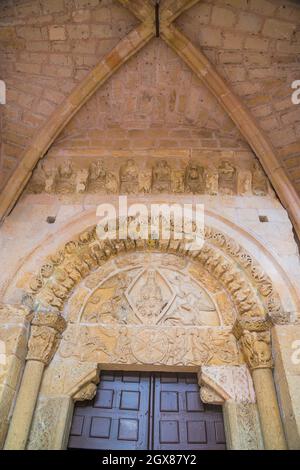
<point>54,412</point>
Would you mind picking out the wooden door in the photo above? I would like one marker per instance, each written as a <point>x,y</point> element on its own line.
<point>181,420</point>
<point>144,411</point>
<point>118,417</point>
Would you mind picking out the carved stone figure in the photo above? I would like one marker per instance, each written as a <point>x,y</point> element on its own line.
<point>50,176</point>
<point>97,176</point>
<point>66,181</point>
<point>257,349</point>
<point>227,178</point>
<point>161,177</point>
<point>145,181</point>
<point>177,178</point>
<point>123,347</point>
<point>129,177</point>
<point>212,181</point>
<point>82,177</point>
<point>194,179</point>
<point>111,183</point>
<point>259,181</point>
<point>244,183</point>
<point>91,346</point>
<point>44,336</point>
<point>150,302</point>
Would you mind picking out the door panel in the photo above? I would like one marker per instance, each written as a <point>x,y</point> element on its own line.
<point>118,416</point>
<point>181,420</point>
<point>133,410</point>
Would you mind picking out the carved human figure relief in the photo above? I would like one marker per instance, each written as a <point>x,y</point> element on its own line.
<point>129,177</point>
<point>259,180</point>
<point>194,179</point>
<point>227,178</point>
<point>66,181</point>
<point>149,292</point>
<point>161,177</point>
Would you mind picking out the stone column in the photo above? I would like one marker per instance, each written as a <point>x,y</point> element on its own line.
<point>255,342</point>
<point>44,336</point>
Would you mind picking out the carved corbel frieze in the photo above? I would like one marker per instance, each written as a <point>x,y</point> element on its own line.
<point>45,334</point>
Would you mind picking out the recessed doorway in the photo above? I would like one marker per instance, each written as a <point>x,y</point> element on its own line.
<point>147,411</point>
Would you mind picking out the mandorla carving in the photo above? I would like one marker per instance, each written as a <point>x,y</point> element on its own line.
<point>159,177</point>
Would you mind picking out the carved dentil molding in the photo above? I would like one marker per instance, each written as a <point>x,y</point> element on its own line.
<point>44,338</point>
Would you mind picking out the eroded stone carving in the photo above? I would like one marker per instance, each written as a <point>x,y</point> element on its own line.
<point>149,345</point>
<point>194,179</point>
<point>220,256</point>
<point>161,177</point>
<point>208,395</point>
<point>227,178</point>
<point>87,392</point>
<point>156,177</point>
<point>232,382</point>
<point>44,336</point>
<point>153,295</point>
<point>256,347</point>
<point>259,180</point>
<point>129,177</point>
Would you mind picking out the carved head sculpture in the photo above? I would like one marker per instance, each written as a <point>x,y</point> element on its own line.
<point>66,169</point>
<point>97,170</point>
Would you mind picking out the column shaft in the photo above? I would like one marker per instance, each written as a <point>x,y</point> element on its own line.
<point>21,421</point>
<point>272,429</point>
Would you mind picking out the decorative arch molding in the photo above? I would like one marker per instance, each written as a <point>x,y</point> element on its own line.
<point>200,65</point>
<point>13,288</point>
<point>250,289</point>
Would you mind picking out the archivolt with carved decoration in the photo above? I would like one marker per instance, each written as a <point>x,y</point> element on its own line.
<point>249,287</point>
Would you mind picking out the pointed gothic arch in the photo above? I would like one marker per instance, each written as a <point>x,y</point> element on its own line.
<point>196,60</point>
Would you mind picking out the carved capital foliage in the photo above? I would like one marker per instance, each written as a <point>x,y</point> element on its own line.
<point>44,337</point>
<point>256,347</point>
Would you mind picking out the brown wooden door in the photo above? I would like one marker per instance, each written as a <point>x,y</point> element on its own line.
<point>181,420</point>
<point>118,417</point>
<point>144,411</point>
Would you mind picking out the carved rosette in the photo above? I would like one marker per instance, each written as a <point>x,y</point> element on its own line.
<point>45,334</point>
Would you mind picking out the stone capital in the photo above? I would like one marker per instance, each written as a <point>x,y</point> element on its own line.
<point>254,335</point>
<point>44,336</point>
<point>256,347</point>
